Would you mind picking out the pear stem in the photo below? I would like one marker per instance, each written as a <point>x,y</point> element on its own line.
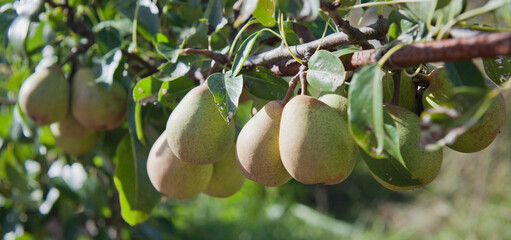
<point>303,81</point>
<point>293,83</point>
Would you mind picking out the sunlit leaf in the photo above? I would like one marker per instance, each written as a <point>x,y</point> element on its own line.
<point>137,195</point>
<point>243,53</point>
<point>265,12</point>
<point>365,110</point>
<point>326,71</point>
<point>226,92</point>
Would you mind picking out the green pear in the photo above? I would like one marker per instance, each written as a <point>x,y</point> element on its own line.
<point>75,146</point>
<point>257,147</point>
<point>337,102</point>
<point>196,132</point>
<point>44,96</point>
<point>227,178</point>
<point>173,177</point>
<point>314,142</point>
<point>407,91</point>
<point>421,166</point>
<point>482,134</point>
<point>439,89</point>
<point>69,127</point>
<point>95,107</point>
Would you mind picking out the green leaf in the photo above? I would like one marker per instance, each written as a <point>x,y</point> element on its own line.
<point>345,51</point>
<point>264,84</point>
<point>171,92</point>
<point>388,172</point>
<point>302,10</point>
<point>226,92</point>
<point>6,18</point>
<point>465,73</point>
<point>215,18</point>
<point>326,71</point>
<point>265,12</point>
<point>137,195</point>
<point>108,38</point>
<point>17,33</point>
<point>365,110</point>
<point>36,37</point>
<point>243,53</point>
<point>109,64</point>
<point>289,33</point>
<point>391,145</point>
<point>168,51</point>
<point>498,69</point>
<point>170,71</point>
<point>148,16</point>
<point>146,90</point>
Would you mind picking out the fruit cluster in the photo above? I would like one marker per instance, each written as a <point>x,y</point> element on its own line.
<point>77,112</point>
<point>307,139</point>
<point>195,153</point>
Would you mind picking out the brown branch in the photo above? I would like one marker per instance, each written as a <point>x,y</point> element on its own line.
<point>332,41</point>
<point>148,67</point>
<point>5,101</point>
<point>354,33</point>
<point>221,58</point>
<point>447,50</point>
<point>78,27</point>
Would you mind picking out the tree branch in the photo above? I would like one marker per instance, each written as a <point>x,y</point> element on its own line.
<point>447,50</point>
<point>354,33</point>
<point>332,41</point>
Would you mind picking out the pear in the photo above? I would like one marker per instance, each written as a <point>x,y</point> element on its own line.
<point>227,178</point>
<point>44,96</point>
<point>439,89</point>
<point>196,132</point>
<point>93,106</point>
<point>70,127</point>
<point>337,102</point>
<point>314,142</point>
<point>421,166</point>
<point>482,134</point>
<point>75,146</point>
<point>407,91</point>
<point>173,177</point>
<point>257,147</point>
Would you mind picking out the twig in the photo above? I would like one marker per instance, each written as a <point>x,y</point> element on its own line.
<point>204,52</point>
<point>78,27</point>
<point>292,84</point>
<point>303,81</point>
<point>150,68</point>
<point>5,101</point>
<point>354,33</point>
